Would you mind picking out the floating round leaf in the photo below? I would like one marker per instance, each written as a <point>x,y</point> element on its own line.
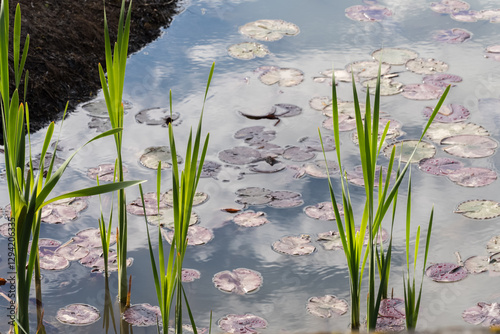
<point>493,52</point>
<point>373,13</point>
<point>441,79</point>
<point>189,275</point>
<point>473,176</point>
<point>426,66</point>
<point>285,199</point>
<point>327,306</point>
<point>294,245</point>
<point>255,135</point>
<point>448,113</point>
<point>142,315</point>
<point>285,110</point>
<point>321,103</point>
<point>53,262</point>
<point>242,324</point>
<point>392,307</point>
<point>104,171</point>
<point>254,196</point>
<point>439,131</point>
<point>150,203</point>
<point>154,154</point>
<point>285,77</point>
<point>318,168</point>
<point>322,211</point>
<point>477,264</point>
<point>367,68</point>
<point>452,36</point>
<point>6,229</point>
<point>78,314</point>
<point>340,75</point>
<point>100,124</point>
<point>422,92</point>
<point>210,169</point>
<point>198,198</point>
<point>330,240</point>
<point>196,235</point>
<point>72,251</point>
<point>63,211</point>
<point>47,160</point>
<point>493,246</point>
<point>449,6</point>
<point>91,238</point>
<point>479,209</point>
<point>387,86</point>
<point>296,153</point>
<point>493,15</point>
<point>239,281</point>
<point>267,165</point>
<point>95,261</point>
<point>404,150</point>
<point>446,272</point>
<point>98,108</point>
<point>394,56</point>
<point>470,146</point>
<point>393,131</point>
<point>356,176</point>
<point>327,143</point>
<point>157,116</point>
<point>165,218</point>
<point>239,155</point>
<point>248,50</point>
<point>390,324</point>
<point>483,314</point>
<point>269,30</point>
<point>439,166</point>
<point>250,218</point>
<point>466,16</point>
<point>346,123</point>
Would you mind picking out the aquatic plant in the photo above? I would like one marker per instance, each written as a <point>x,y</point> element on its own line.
<point>168,278</point>
<point>376,205</point>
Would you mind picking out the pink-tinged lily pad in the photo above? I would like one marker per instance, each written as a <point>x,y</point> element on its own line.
<point>479,209</point>
<point>346,123</point>
<point>157,116</point>
<point>392,307</point>
<point>240,281</point>
<point>165,218</point>
<point>390,324</point>
<point>285,199</point>
<point>7,230</point>
<point>483,314</point>
<point>189,275</point>
<point>253,196</point>
<point>327,306</point>
<point>53,262</point>
<point>239,155</point>
<point>247,50</point>
<point>150,203</point>
<point>439,131</point>
<point>196,235</point>
<point>405,148</point>
<point>473,176</point>
<point>322,211</point>
<point>255,135</point>
<point>492,15</point>
<point>426,66</point>
<point>356,176</point>
<point>64,210</point>
<point>449,6</point>
<point>296,153</point>
<point>452,36</point>
<point>367,69</point>
<point>493,246</point>
<point>269,30</point>
<point>46,246</point>
<point>95,261</point>
<point>387,86</point>
<point>466,16</point>
<point>78,314</point>
<point>154,154</point>
<point>369,13</point>
<point>446,272</point>
<point>493,52</point>
<point>91,238</point>
<point>72,251</point>
<point>422,92</point>
<point>439,166</point>
<point>470,146</point>
<point>251,218</point>
<point>394,56</point>
<point>142,315</point>
<point>284,77</point>
<point>104,171</point>
<point>242,324</point>
<point>448,113</point>
<point>441,79</point>
<point>291,245</point>
<point>210,169</point>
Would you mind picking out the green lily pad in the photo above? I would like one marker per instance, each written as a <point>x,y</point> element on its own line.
<point>493,246</point>
<point>394,56</point>
<point>285,77</point>
<point>426,66</point>
<point>439,131</point>
<point>367,68</point>
<point>154,154</point>
<point>248,50</point>
<point>269,30</point>
<point>479,209</point>
<point>405,148</point>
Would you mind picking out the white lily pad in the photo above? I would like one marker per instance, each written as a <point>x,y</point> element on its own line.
<point>189,275</point>
<point>426,66</point>
<point>367,69</point>
<point>470,146</point>
<point>483,314</point>
<point>196,235</point>
<point>452,36</point>
<point>327,306</point>
<point>394,56</point>
<point>285,77</point>
<point>248,50</point>
<point>369,13</point>
<point>269,30</point>
<point>154,154</point>
<point>479,209</point>
<point>157,116</point>
<point>422,92</point>
<point>292,245</point>
<point>405,148</point>
<point>387,86</point>
<point>449,6</point>
<point>473,176</point>
<point>64,210</point>
<point>242,324</point>
<point>78,314</point>
<point>250,218</point>
<point>322,211</point>
<point>439,131</point>
<point>239,281</point>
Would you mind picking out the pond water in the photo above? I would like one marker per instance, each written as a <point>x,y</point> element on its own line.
<point>180,61</point>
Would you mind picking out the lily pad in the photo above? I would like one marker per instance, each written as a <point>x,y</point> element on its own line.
<point>483,314</point>
<point>64,210</point>
<point>239,155</point>
<point>189,275</point>
<point>422,92</point>
<point>78,314</point>
<point>292,245</point>
<point>53,262</point>
<point>405,148</point>
<point>480,264</point>
<point>165,218</point>
<point>330,240</point>
<point>367,69</point>
<point>449,6</point>
<point>394,56</point>
<point>441,79</point>
<point>150,203</point>
<point>439,166</point>
<point>269,30</point>
<point>253,196</point>
<point>439,131</point>
<point>242,324</point>
<point>154,154</point>
<point>210,169</point>
<point>368,13</point>
<point>277,111</point>
<point>255,135</point>
<point>392,307</point>
<point>248,50</point>
<point>492,15</point>
<point>296,153</point>
<point>390,324</point>
<point>95,261</point>
<point>493,52</point>
<point>493,246</point>
<point>452,36</point>
<point>100,124</point>
<point>91,238</point>
<point>318,168</point>
<point>250,218</point>
<point>448,113</point>
<point>196,235</point>
<point>267,165</point>
<point>239,281</point>
<point>322,211</point>
<point>473,176</point>
<point>104,171</point>
<point>446,272</point>
<point>48,157</point>
<point>285,199</point>
<point>324,104</point>
<point>142,315</point>
<point>394,131</point>
<point>72,252</point>
<point>426,66</point>
<point>312,144</point>
<point>199,198</point>
<point>340,75</point>
<point>470,146</point>
<point>387,86</point>
<point>157,116</point>
<point>479,209</point>
<point>346,123</point>
<point>327,306</point>
<point>356,176</point>
<point>98,108</point>
<point>466,16</point>
<point>285,77</point>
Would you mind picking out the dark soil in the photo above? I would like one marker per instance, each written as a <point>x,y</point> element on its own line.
<point>67,44</point>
